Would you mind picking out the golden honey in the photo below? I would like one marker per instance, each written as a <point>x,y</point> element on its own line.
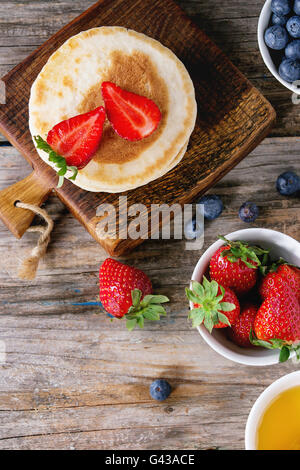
<point>279,428</point>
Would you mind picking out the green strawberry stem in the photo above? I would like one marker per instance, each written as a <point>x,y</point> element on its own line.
<point>147,309</point>
<point>59,161</point>
<point>274,343</point>
<point>210,304</point>
<point>242,250</point>
<point>269,267</point>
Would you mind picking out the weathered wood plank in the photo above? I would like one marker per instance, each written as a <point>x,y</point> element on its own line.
<point>70,371</point>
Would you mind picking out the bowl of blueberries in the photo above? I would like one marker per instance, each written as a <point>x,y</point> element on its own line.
<point>279,41</point>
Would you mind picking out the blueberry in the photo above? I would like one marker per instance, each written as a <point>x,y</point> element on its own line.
<point>248,212</point>
<point>281,7</point>
<point>276,37</point>
<point>292,50</point>
<point>288,183</point>
<point>160,390</point>
<point>194,229</point>
<point>281,20</point>
<point>213,206</point>
<point>293,26</point>
<point>297,7</point>
<point>289,70</point>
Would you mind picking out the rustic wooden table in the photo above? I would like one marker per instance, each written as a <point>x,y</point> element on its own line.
<point>74,380</point>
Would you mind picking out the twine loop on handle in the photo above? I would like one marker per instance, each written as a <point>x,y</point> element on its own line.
<point>29,265</point>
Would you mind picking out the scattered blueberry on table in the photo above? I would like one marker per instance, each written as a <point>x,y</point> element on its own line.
<point>248,212</point>
<point>283,34</point>
<point>160,390</point>
<point>288,183</point>
<point>213,206</point>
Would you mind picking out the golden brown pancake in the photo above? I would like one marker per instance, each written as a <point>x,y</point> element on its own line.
<point>70,84</point>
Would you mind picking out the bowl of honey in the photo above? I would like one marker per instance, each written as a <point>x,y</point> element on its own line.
<point>274,421</point>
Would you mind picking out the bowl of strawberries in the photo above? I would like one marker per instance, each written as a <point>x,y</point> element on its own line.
<point>245,297</point>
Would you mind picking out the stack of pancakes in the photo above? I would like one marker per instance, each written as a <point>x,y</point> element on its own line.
<point>70,84</point>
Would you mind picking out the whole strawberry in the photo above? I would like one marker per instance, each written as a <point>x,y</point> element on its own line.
<point>241,329</point>
<point>277,323</point>
<point>215,306</point>
<point>235,265</point>
<point>284,275</point>
<point>127,291</point>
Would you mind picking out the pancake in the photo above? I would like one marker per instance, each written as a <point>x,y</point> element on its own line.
<point>70,84</point>
<point>173,164</point>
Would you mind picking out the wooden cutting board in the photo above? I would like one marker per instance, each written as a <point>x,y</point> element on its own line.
<point>233,118</point>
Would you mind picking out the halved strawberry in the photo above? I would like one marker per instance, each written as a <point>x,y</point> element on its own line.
<point>77,139</point>
<point>132,116</point>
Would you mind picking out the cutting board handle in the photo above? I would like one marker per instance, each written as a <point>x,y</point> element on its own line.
<point>30,190</point>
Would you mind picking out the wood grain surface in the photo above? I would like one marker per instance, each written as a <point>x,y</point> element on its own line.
<point>233,117</point>
<point>74,380</point>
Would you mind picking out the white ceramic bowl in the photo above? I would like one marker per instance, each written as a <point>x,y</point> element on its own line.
<point>263,24</point>
<point>261,404</point>
<point>280,245</point>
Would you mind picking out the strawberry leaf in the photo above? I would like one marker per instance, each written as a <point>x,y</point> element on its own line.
<point>148,308</point>
<point>227,306</point>
<point>259,342</point>
<point>297,351</point>
<point>136,295</point>
<point>197,288</point>
<point>211,309</point>
<point>154,299</point>
<point>75,172</point>
<point>268,267</point>
<point>284,354</point>
<point>58,160</point>
<point>206,283</point>
<point>214,288</point>
<point>197,316</point>
<point>209,324</point>
<point>191,296</point>
<point>151,315</point>
<point>140,322</point>
<point>157,308</point>
<point>242,250</point>
<point>131,324</point>
<point>275,343</point>
<point>223,319</point>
